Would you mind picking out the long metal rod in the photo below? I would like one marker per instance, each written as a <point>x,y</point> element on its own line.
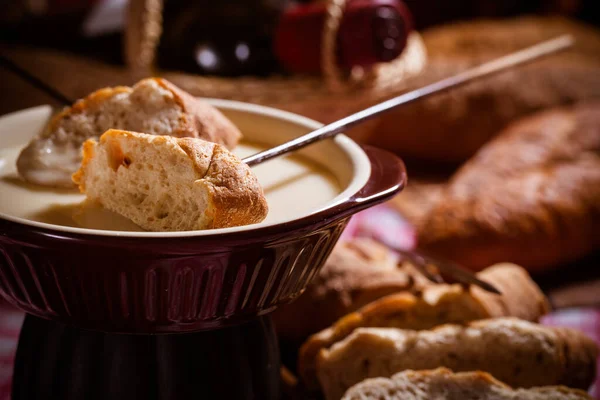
<point>460,274</point>
<point>421,261</point>
<point>520,57</point>
<point>35,81</point>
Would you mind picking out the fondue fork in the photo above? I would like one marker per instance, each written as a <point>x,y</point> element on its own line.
<point>492,67</point>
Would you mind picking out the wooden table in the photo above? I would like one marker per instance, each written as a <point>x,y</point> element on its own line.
<point>72,75</point>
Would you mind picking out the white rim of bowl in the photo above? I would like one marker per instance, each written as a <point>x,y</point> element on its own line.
<point>358,158</point>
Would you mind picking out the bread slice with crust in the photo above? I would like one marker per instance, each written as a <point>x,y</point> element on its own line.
<point>357,272</point>
<point>519,353</point>
<point>163,183</point>
<point>152,106</point>
<point>442,383</point>
<point>435,305</point>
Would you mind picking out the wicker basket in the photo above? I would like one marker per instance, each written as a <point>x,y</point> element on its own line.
<point>330,96</point>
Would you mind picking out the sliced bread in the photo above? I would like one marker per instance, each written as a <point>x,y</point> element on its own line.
<point>442,383</point>
<point>435,305</point>
<point>357,272</point>
<point>519,353</point>
<point>152,106</point>
<point>163,183</point>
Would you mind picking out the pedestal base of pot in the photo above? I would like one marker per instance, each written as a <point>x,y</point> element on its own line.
<point>56,361</point>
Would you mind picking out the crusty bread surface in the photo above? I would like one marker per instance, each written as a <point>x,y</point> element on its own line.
<point>418,198</point>
<point>434,305</point>
<point>358,271</point>
<point>452,126</point>
<point>163,183</point>
<point>152,106</point>
<point>531,196</point>
<point>442,383</point>
<point>517,352</point>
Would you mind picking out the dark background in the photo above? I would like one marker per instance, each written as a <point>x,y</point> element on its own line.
<point>32,38</point>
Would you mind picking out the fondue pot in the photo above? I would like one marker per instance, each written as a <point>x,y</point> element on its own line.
<point>121,314</point>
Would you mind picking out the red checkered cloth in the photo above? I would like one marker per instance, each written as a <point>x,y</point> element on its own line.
<point>381,222</point>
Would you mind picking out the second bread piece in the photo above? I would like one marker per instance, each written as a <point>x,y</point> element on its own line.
<point>164,183</point>
<point>519,353</point>
<point>152,105</point>
<point>442,383</point>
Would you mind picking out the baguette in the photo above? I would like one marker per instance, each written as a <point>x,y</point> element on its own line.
<point>517,352</point>
<point>452,126</point>
<point>418,198</point>
<point>436,305</point>
<point>153,106</point>
<point>441,383</point>
<point>531,196</point>
<point>163,183</point>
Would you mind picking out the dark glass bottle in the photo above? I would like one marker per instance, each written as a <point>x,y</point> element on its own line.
<point>226,38</point>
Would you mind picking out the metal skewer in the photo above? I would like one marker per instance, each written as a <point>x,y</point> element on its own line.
<point>509,61</point>
<point>459,274</point>
<point>421,261</point>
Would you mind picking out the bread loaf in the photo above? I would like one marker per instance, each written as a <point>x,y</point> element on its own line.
<point>436,305</point>
<point>452,126</point>
<point>531,196</point>
<point>418,198</point>
<point>163,183</point>
<point>517,352</point>
<point>152,106</point>
<point>441,383</point>
<point>357,272</point>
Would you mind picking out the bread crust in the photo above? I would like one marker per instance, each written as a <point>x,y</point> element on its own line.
<point>436,305</point>
<point>418,198</point>
<point>579,354</point>
<point>531,196</point>
<point>452,126</point>
<point>357,272</point>
<point>202,120</point>
<point>519,353</point>
<point>457,384</point>
<point>235,196</point>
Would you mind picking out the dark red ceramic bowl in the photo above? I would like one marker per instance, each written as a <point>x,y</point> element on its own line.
<point>144,282</point>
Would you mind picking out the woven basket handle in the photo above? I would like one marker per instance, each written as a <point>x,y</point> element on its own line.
<point>329,68</point>
<point>142,34</point>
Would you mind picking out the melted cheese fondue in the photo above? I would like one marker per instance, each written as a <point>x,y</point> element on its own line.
<point>293,187</point>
